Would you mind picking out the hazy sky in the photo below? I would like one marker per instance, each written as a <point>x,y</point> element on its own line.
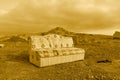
<point>89,16</point>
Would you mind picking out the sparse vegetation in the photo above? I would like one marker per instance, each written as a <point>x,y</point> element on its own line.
<point>15,65</point>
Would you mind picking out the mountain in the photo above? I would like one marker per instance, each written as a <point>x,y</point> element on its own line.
<point>60,31</point>
<point>79,38</point>
<point>16,39</point>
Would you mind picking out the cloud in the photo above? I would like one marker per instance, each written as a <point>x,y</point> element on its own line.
<point>2,12</point>
<point>84,15</point>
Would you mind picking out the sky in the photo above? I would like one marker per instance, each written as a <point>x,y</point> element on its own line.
<point>86,16</point>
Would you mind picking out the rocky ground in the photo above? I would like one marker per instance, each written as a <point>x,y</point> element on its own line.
<point>14,64</point>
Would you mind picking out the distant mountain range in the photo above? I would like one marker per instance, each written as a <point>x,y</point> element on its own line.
<point>61,31</point>
<point>64,32</point>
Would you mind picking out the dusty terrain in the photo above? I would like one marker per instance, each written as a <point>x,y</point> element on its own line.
<point>14,59</point>
<point>14,64</point>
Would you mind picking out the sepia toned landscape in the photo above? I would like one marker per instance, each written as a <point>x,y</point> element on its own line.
<point>102,59</point>
<point>92,26</point>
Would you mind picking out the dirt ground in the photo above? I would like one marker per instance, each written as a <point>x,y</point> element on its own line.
<point>14,63</point>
